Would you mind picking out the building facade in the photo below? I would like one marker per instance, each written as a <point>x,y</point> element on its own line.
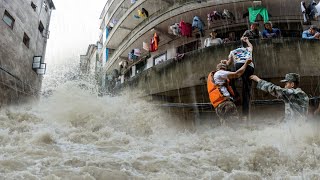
<point>23,39</point>
<point>88,62</point>
<point>125,28</point>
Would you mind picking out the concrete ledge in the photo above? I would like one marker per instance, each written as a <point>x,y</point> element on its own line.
<point>272,58</point>
<point>158,18</point>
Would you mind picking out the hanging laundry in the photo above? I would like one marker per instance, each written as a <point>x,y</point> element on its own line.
<point>254,11</point>
<point>311,10</point>
<point>145,12</point>
<point>198,23</point>
<point>140,14</point>
<point>137,52</point>
<point>318,10</point>
<point>131,56</point>
<point>113,22</point>
<point>136,16</point>
<point>228,15</point>
<point>154,43</point>
<point>145,46</point>
<point>185,28</point>
<point>303,10</point>
<point>175,29</point>
<point>214,15</point>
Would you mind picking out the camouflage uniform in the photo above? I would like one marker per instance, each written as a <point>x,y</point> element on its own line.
<point>296,101</point>
<point>226,111</point>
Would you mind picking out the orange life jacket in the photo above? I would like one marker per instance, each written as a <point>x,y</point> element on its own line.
<point>215,94</point>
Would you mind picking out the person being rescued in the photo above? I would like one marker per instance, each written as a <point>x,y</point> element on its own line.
<point>238,57</point>
<point>220,92</point>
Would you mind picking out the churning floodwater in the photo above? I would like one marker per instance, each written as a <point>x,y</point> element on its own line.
<point>72,133</point>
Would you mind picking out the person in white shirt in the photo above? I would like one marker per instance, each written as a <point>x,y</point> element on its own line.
<point>212,40</point>
<point>220,92</point>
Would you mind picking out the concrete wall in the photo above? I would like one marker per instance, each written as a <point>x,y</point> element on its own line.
<point>283,11</point>
<point>88,62</point>
<point>15,57</point>
<point>180,81</point>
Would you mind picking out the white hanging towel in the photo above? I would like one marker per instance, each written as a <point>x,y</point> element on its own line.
<point>145,46</point>
<point>303,10</point>
<point>137,52</point>
<point>318,9</point>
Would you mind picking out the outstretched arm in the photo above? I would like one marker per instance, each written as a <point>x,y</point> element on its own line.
<point>239,72</point>
<point>266,86</point>
<point>246,40</point>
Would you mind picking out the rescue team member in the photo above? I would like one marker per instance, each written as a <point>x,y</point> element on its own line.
<point>221,93</point>
<point>296,101</point>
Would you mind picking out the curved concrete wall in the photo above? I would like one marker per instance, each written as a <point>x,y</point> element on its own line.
<point>282,8</point>
<point>273,59</point>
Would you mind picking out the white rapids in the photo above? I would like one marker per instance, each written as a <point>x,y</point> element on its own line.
<point>74,134</point>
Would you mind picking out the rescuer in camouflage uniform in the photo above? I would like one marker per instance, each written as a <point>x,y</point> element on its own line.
<point>227,111</point>
<point>296,101</point>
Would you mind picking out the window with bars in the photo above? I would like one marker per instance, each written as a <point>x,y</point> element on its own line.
<point>8,19</point>
<point>41,27</point>
<point>34,7</point>
<point>26,40</point>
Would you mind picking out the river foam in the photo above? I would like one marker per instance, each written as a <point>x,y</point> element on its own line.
<point>74,134</point>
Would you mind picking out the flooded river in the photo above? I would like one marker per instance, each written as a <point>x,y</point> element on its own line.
<point>74,134</point>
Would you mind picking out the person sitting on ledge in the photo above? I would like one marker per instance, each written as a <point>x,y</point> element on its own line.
<point>231,38</point>
<point>311,33</point>
<point>253,32</point>
<point>212,40</point>
<point>270,32</point>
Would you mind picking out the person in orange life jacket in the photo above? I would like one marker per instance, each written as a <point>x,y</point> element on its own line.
<point>238,57</point>
<point>221,93</point>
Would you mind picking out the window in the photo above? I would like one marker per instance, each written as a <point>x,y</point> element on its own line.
<point>41,28</point>
<point>26,40</point>
<point>161,58</point>
<point>34,7</point>
<point>8,19</point>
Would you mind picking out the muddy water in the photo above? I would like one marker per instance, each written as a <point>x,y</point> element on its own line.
<point>74,134</point>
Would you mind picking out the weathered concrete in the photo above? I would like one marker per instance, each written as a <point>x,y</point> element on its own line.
<point>18,80</point>
<point>284,11</point>
<point>184,81</point>
<point>88,62</point>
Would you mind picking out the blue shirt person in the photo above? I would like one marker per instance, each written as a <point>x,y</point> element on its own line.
<point>270,32</point>
<point>311,33</point>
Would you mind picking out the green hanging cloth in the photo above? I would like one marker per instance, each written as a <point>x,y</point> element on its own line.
<point>254,11</point>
